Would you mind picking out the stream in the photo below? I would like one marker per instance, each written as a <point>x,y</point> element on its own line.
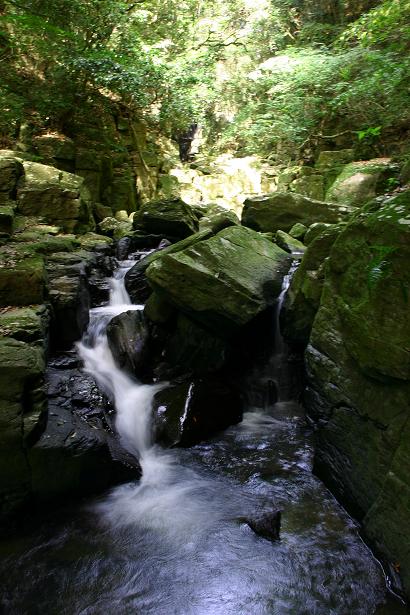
<point>177,541</point>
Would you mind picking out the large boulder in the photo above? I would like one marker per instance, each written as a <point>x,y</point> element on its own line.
<point>59,197</point>
<point>171,217</point>
<point>189,412</point>
<point>359,182</point>
<point>136,282</point>
<point>282,210</point>
<point>223,282</point>
<point>358,364</point>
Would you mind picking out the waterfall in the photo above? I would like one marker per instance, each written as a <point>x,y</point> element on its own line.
<point>132,399</point>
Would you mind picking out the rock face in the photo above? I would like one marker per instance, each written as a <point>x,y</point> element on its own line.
<point>282,210</point>
<point>186,413</point>
<point>22,399</point>
<point>303,297</point>
<point>223,282</point>
<point>57,196</point>
<point>358,363</point>
<point>172,218</point>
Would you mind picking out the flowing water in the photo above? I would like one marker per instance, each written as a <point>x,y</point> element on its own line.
<point>177,541</point>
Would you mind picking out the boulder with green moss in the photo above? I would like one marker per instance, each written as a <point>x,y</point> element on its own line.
<point>59,197</point>
<point>358,363</point>
<point>6,220</point>
<point>222,282</point>
<point>289,243</point>
<point>281,211</point>
<point>171,218</point>
<point>359,182</point>
<point>22,400</point>
<point>11,168</point>
<point>136,283</point>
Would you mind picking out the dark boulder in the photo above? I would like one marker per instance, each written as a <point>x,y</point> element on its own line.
<point>171,217</point>
<point>128,339</point>
<point>267,525</point>
<point>191,411</point>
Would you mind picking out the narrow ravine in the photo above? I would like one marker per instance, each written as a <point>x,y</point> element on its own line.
<point>177,541</point>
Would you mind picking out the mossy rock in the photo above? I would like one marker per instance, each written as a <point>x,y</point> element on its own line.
<point>303,297</point>
<point>222,282</point>
<point>25,324</point>
<point>22,281</point>
<point>170,217</point>
<point>359,182</point>
<point>289,243</point>
<point>358,365</point>
<point>281,211</point>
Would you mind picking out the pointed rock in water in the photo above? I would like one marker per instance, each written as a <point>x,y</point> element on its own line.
<point>266,525</point>
<point>223,282</point>
<point>282,210</point>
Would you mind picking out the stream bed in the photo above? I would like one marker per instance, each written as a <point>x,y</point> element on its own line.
<point>177,542</point>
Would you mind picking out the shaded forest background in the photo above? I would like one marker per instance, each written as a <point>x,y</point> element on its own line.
<point>280,78</point>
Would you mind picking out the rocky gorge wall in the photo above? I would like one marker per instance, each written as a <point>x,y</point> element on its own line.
<point>206,289</point>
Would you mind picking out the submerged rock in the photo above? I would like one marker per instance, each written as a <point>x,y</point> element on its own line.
<point>267,525</point>
<point>282,210</point>
<point>223,282</point>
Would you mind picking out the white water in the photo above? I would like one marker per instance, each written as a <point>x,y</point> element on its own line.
<point>166,490</point>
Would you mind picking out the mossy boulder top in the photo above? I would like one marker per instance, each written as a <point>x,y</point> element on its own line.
<point>359,182</point>
<point>282,210</point>
<point>59,197</point>
<point>223,282</point>
<point>171,218</point>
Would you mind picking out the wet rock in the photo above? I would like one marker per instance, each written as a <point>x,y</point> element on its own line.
<point>191,411</point>
<point>289,243</point>
<point>282,210</point>
<point>78,444</point>
<point>170,217</point>
<point>128,339</point>
<point>267,525</point>
<point>303,297</point>
<point>217,218</point>
<point>222,282</point>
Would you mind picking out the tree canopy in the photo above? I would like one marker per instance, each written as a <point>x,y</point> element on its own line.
<point>266,76</point>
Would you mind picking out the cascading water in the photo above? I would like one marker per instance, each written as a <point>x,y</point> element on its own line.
<point>176,541</point>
